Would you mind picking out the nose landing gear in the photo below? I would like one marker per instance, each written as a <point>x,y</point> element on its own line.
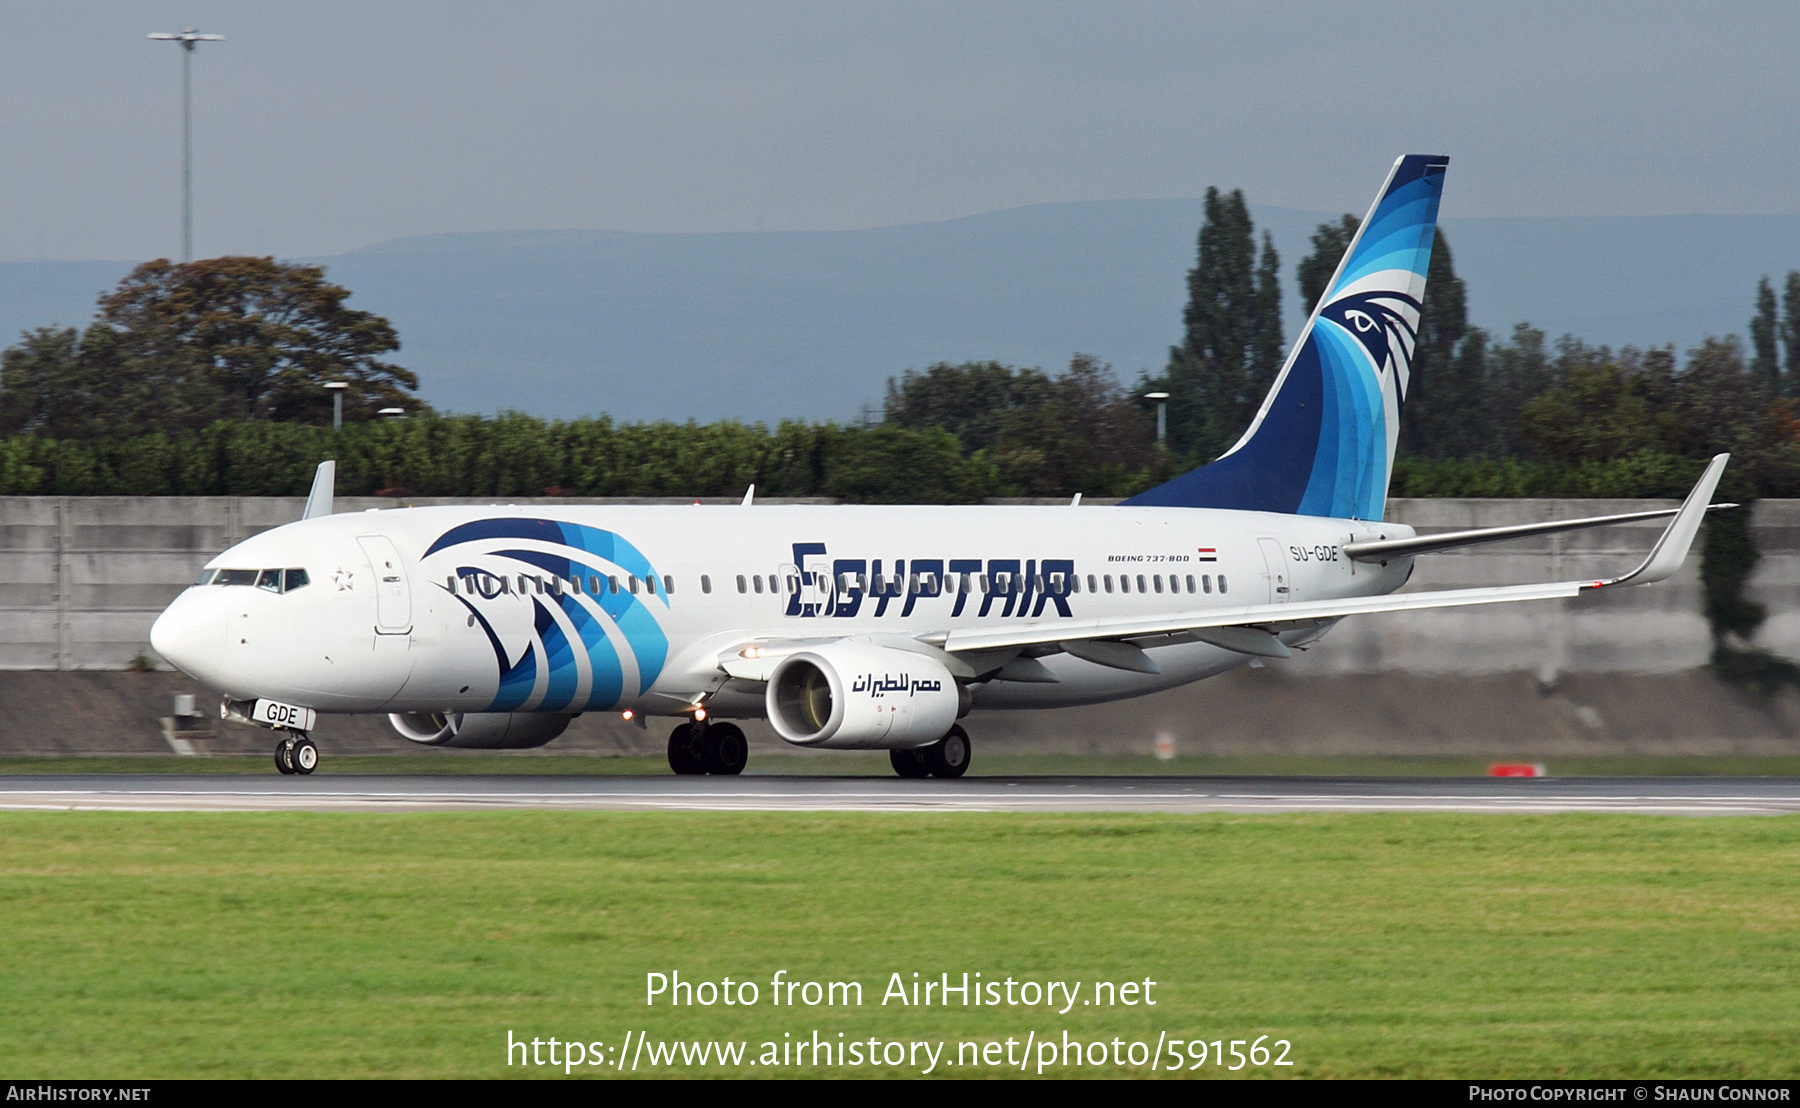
<point>296,754</point>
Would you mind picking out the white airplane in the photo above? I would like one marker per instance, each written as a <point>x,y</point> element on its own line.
<point>864,627</point>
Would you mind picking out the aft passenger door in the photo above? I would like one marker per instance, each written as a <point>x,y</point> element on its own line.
<point>1275,568</point>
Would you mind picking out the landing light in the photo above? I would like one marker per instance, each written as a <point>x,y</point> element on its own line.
<point>699,715</point>
<point>751,653</point>
<point>627,714</point>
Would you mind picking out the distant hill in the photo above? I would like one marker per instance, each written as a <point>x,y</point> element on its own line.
<point>763,326</point>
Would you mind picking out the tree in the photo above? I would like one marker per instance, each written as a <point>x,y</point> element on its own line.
<point>1329,242</point>
<point>971,401</point>
<point>1790,332</point>
<point>256,339</point>
<point>1044,436</point>
<point>1765,360</point>
<point>1231,345</point>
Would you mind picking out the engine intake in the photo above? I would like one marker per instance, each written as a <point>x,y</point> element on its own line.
<point>859,696</point>
<point>480,730</point>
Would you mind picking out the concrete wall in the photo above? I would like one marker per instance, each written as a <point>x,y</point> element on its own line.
<point>82,578</point>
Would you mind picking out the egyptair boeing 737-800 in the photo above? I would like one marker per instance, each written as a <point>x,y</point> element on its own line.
<point>864,627</point>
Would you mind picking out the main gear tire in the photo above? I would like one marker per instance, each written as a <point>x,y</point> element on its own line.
<point>684,751</point>
<point>724,750</point>
<point>949,756</point>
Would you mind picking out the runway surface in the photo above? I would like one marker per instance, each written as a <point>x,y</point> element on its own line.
<point>1686,796</point>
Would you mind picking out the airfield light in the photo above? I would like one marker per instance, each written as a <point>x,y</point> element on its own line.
<point>1162,414</point>
<point>189,38</point>
<point>337,403</point>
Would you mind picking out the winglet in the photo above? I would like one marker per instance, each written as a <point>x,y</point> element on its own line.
<point>1672,548</point>
<point>750,495</point>
<point>318,501</point>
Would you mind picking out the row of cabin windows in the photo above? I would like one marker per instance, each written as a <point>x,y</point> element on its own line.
<point>287,580</point>
<point>495,584</point>
<point>918,584</point>
<point>926,583</point>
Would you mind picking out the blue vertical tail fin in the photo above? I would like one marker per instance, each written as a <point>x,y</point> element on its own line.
<point>1323,442</point>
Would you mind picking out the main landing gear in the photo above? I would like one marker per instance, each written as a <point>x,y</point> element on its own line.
<point>708,747</point>
<point>948,757</point>
<point>296,754</point>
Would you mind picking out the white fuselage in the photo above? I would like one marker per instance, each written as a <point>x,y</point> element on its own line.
<point>585,608</point>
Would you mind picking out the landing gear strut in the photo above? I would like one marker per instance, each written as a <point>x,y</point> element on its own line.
<point>708,747</point>
<point>948,757</point>
<point>296,754</point>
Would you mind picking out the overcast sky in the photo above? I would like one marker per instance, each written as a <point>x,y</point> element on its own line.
<point>324,126</point>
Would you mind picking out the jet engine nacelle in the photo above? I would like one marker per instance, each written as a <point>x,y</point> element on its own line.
<point>861,696</point>
<point>480,730</point>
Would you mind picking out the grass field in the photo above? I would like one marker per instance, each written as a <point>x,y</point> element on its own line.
<point>1378,944</point>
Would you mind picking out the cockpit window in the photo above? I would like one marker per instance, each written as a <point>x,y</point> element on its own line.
<point>274,580</point>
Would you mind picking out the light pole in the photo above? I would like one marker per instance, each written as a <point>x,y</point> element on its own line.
<point>337,403</point>
<point>189,39</point>
<point>1162,415</point>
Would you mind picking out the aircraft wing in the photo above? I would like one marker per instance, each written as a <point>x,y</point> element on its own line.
<point>1250,628</point>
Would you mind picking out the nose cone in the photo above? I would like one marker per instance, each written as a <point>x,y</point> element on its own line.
<point>190,633</point>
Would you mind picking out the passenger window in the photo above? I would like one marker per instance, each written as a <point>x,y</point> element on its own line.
<point>705,583</point>
<point>612,585</point>
<point>742,588</point>
<point>1157,580</point>
<point>793,584</point>
<point>1091,583</point>
<point>633,581</point>
<point>1141,582</point>
<point>1124,583</point>
<point>1190,579</point>
<point>758,580</point>
<point>575,585</point>
<point>1206,582</point>
<point>773,587</point>
<point>555,586</point>
<point>1221,582</point>
<point>1108,580</point>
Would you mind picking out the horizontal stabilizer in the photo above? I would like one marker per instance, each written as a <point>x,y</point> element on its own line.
<point>1386,550</point>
